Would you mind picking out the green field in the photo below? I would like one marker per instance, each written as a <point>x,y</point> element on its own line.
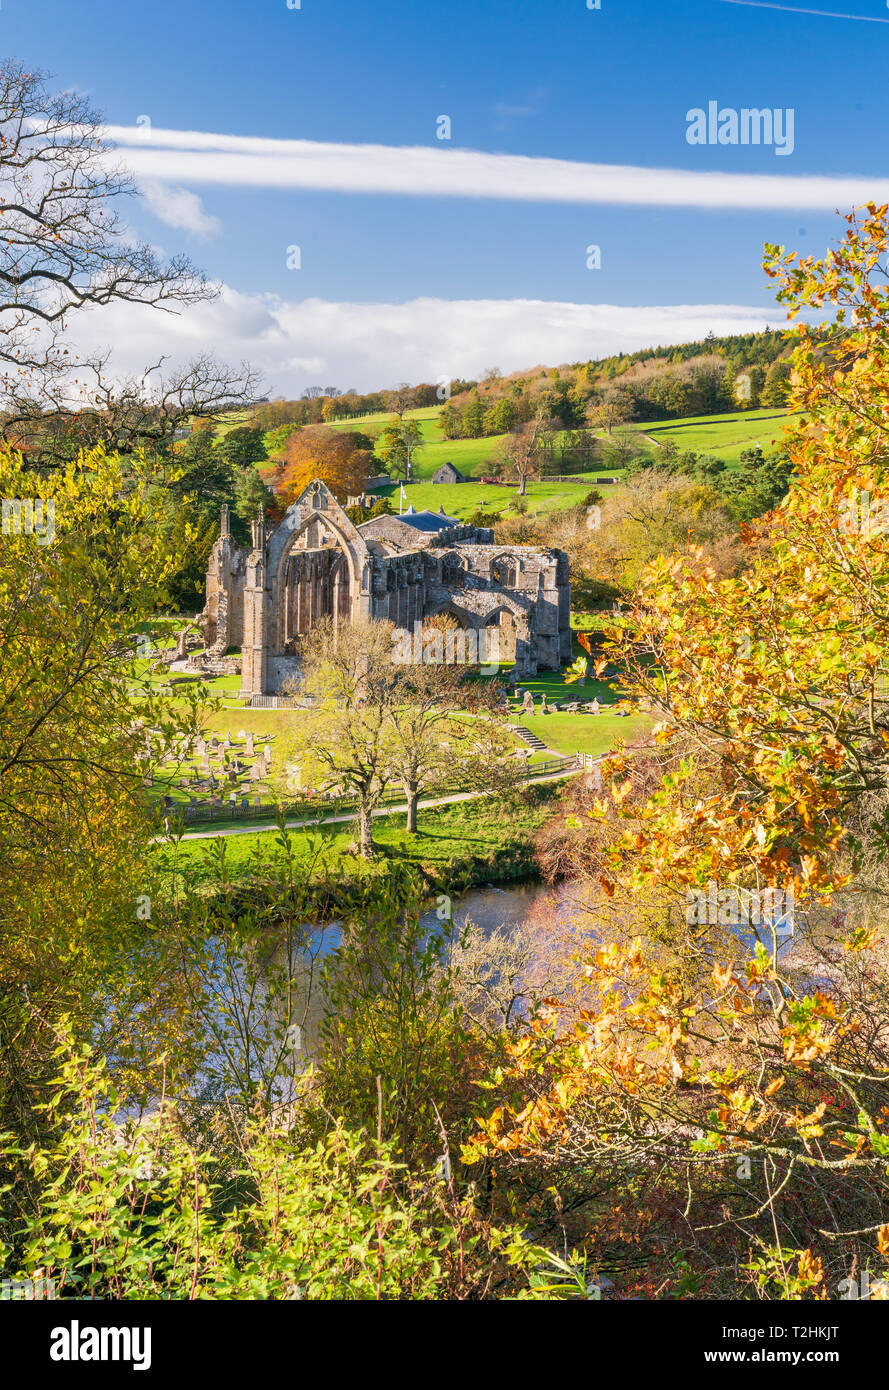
<point>723,435</point>
<point>726,436</point>
<point>460,500</point>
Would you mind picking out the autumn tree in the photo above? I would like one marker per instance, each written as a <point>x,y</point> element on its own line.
<point>773,735</point>
<point>83,566</point>
<point>604,412</point>
<point>319,451</point>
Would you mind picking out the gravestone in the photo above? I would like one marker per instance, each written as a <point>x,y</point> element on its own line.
<point>528,703</point>
<point>250,750</point>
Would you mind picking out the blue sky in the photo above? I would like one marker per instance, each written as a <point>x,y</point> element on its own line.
<point>457,282</point>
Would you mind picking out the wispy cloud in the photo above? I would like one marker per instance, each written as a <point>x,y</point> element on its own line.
<point>198,157</point>
<point>179,207</point>
<point>507,114</point>
<point>797,9</point>
<point>315,342</point>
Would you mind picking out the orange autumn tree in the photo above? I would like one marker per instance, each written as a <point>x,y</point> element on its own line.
<point>319,451</point>
<point>773,703</point>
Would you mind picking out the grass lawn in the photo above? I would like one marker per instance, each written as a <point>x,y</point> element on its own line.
<point>467,841</point>
<point>578,732</point>
<point>586,733</point>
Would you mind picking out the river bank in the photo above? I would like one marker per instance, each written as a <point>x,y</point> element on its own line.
<point>456,847</point>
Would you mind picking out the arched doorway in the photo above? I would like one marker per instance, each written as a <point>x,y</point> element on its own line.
<point>503,620</point>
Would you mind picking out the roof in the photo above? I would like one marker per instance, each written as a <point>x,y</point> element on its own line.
<point>427,521</point>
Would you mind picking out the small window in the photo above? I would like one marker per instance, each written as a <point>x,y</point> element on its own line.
<point>452,570</point>
<point>504,571</point>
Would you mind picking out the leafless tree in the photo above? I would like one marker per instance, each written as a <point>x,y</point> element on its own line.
<point>65,247</point>
<point>520,456</point>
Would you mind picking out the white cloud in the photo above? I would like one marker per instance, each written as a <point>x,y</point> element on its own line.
<point>320,342</point>
<point>200,157</point>
<point>178,207</point>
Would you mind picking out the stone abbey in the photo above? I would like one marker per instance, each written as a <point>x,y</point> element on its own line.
<point>316,564</point>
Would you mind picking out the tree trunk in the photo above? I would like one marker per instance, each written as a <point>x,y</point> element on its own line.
<point>366,841</point>
<point>412,799</point>
<point>522,482</point>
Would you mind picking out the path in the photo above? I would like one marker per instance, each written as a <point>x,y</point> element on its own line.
<point>424,803</point>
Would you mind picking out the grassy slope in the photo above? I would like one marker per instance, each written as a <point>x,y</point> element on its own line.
<point>723,435</point>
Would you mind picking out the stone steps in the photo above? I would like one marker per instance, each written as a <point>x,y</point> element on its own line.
<point>530,739</point>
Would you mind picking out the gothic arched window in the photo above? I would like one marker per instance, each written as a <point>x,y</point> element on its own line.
<point>505,571</point>
<point>452,569</point>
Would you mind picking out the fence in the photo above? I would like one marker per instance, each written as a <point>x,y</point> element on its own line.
<point>274,702</point>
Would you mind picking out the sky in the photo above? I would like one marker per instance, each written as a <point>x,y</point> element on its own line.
<point>294,154</point>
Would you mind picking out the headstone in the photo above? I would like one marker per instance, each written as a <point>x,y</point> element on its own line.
<point>543,708</point>
<point>268,753</point>
<point>259,771</point>
<point>528,703</point>
<point>250,751</point>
